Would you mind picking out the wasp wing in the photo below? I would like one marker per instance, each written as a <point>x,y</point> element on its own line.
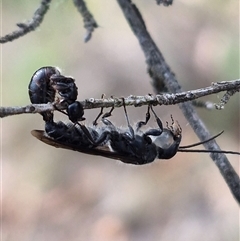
<point>97,151</point>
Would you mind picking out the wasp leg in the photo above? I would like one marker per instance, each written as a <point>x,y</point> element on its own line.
<point>159,122</point>
<point>129,135</point>
<point>101,112</point>
<point>107,114</point>
<point>104,116</point>
<point>141,123</point>
<point>103,138</point>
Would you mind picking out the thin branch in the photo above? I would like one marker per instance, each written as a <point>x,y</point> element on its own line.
<point>29,109</point>
<point>29,26</point>
<point>160,70</point>
<point>89,22</point>
<point>161,99</point>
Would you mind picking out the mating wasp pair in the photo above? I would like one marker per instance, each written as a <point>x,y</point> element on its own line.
<point>130,145</point>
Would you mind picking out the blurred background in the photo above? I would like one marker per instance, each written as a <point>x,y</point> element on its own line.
<point>54,194</point>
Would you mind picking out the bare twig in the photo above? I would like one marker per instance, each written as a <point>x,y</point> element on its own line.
<point>226,98</point>
<point>161,99</point>
<point>29,109</point>
<point>89,22</point>
<point>160,70</point>
<point>29,26</point>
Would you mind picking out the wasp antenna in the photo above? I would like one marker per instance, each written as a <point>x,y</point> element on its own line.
<point>201,142</point>
<point>211,151</point>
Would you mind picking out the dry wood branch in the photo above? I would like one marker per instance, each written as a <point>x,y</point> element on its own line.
<point>161,99</point>
<point>29,109</point>
<point>30,25</point>
<point>89,22</point>
<point>160,70</point>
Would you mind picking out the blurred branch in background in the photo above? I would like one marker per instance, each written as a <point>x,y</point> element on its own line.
<point>30,25</point>
<point>160,70</point>
<point>161,99</point>
<point>89,22</point>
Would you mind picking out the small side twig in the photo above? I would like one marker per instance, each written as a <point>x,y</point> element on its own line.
<point>30,25</point>
<point>226,98</point>
<point>89,22</point>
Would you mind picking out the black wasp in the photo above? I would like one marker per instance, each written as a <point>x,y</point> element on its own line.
<point>129,146</point>
<point>48,85</point>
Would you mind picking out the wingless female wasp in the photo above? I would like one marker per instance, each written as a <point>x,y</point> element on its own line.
<point>129,146</point>
<point>48,85</point>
